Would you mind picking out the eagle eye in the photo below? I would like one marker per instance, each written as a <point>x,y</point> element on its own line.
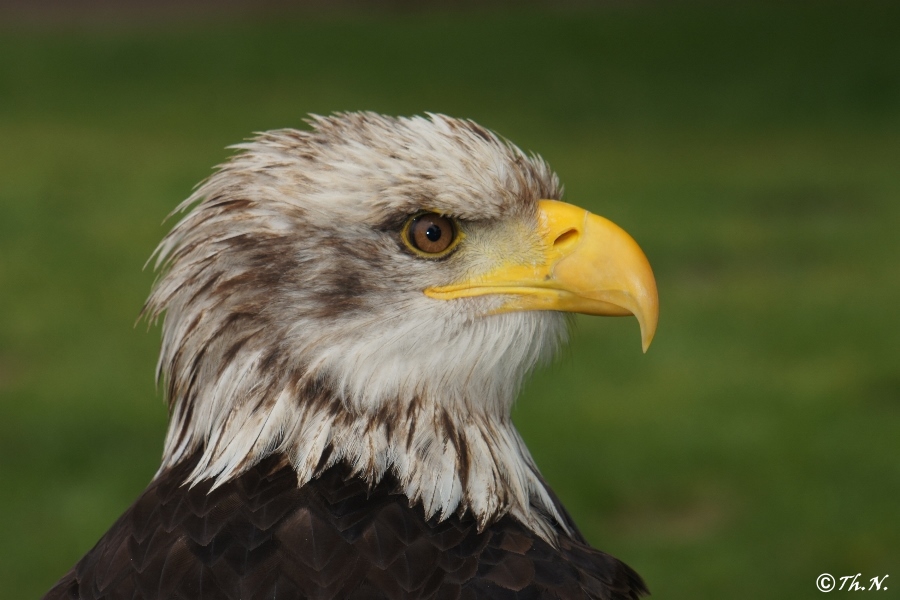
<point>430,234</point>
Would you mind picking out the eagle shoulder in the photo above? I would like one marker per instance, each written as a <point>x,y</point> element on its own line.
<point>261,535</point>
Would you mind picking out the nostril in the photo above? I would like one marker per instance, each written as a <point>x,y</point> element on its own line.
<point>569,235</point>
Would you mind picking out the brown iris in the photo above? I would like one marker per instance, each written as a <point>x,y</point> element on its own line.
<point>430,233</point>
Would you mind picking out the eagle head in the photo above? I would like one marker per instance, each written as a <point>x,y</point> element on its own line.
<point>373,291</point>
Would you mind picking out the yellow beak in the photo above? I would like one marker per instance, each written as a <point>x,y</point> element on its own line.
<point>587,264</point>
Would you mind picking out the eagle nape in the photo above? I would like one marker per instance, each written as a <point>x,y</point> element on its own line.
<point>348,313</point>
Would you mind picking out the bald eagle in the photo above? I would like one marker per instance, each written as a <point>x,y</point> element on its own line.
<point>348,314</point>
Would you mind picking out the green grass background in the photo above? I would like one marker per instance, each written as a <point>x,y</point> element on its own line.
<point>752,150</point>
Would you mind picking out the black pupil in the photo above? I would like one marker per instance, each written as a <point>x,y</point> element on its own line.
<point>433,232</point>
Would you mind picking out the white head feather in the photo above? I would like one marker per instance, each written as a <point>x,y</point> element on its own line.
<point>295,320</point>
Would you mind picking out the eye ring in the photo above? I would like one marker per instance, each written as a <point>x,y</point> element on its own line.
<point>431,235</point>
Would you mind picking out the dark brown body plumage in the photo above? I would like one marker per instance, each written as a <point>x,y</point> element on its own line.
<point>262,536</point>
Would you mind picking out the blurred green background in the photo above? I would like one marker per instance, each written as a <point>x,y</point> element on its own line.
<point>753,150</point>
